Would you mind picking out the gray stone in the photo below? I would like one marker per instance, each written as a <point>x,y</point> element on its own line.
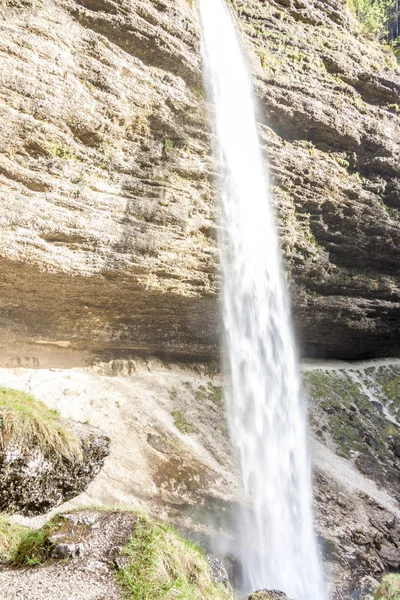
<point>68,551</point>
<point>390,555</point>
<point>219,573</point>
<point>368,585</point>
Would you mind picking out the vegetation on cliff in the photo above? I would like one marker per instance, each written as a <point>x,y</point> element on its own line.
<point>26,422</point>
<point>379,17</point>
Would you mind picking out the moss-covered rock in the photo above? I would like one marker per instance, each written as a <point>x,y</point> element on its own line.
<point>44,460</point>
<point>357,409</point>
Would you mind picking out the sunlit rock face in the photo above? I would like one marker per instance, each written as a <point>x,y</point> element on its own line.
<point>107,210</point>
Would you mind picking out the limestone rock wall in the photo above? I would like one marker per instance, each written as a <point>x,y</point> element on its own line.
<point>107,211</point>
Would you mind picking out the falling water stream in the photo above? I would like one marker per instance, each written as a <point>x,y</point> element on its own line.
<point>265,407</point>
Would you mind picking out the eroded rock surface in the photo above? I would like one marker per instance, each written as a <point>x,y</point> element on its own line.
<point>32,482</point>
<point>107,208</point>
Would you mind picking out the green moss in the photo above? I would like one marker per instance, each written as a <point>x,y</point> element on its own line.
<point>334,388</point>
<point>181,422</point>
<point>11,535</point>
<point>161,564</point>
<point>392,389</point>
<point>347,409</point>
<point>211,392</point>
<point>389,588</point>
<point>26,422</point>
<point>388,377</point>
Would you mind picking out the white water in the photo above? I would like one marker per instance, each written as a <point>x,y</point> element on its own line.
<point>265,407</point>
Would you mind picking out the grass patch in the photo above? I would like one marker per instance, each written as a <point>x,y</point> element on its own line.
<point>26,422</point>
<point>34,547</point>
<point>164,565</point>
<point>389,588</point>
<point>11,536</point>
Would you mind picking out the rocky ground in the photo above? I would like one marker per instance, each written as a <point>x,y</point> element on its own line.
<point>107,204</point>
<point>89,575</point>
<point>170,453</point>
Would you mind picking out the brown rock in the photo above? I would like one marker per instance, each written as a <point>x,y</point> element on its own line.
<point>107,210</point>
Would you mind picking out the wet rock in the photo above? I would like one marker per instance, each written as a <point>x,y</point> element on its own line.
<point>32,483</point>
<point>390,555</point>
<point>368,585</point>
<point>160,443</point>
<point>268,595</point>
<point>395,445</point>
<point>361,538</point>
<point>89,519</point>
<point>219,572</point>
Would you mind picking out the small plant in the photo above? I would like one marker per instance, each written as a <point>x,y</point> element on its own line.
<point>161,564</point>
<point>61,150</point>
<point>215,394</point>
<point>173,392</point>
<point>389,588</point>
<point>263,59</point>
<point>168,144</point>
<point>342,162</point>
<point>181,423</point>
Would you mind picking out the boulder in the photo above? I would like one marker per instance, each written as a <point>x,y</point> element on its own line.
<point>33,482</point>
<point>268,595</point>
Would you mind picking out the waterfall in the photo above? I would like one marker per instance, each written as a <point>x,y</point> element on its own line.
<point>265,408</point>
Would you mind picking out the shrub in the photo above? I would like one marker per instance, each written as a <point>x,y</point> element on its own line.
<point>389,588</point>
<point>374,15</point>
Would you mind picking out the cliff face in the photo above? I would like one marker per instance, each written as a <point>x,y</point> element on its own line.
<point>107,210</point>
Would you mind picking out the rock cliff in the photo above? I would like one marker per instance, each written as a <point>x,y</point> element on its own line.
<point>106,181</point>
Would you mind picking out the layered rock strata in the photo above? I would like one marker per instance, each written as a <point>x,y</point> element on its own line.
<point>106,181</point>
